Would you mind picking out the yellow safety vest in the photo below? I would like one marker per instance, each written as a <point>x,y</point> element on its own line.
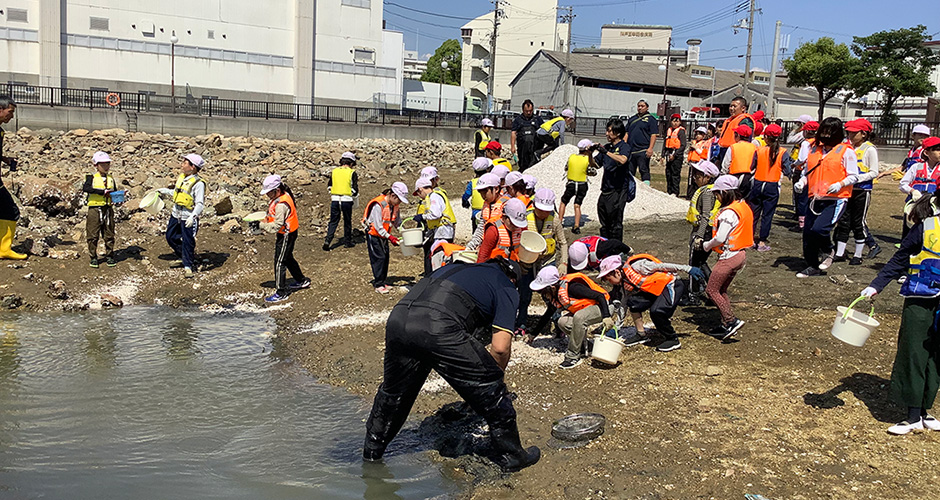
<point>578,167</point>
<point>484,140</point>
<point>923,279</point>
<point>547,126</point>
<point>99,182</point>
<point>692,216</point>
<point>182,195</point>
<point>546,231</point>
<point>504,162</point>
<point>476,199</point>
<point>447,218</point>
<point>341,181</point>
<point>760,140</point>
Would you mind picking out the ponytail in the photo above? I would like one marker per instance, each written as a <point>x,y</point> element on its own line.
<point>774,148</point>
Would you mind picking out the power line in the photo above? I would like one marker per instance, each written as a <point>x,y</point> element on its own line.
<point>429,13</point>
<point>817,31</point>
<point>423,22</point>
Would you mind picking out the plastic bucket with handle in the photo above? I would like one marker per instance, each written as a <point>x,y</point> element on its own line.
<point>531,246</point>
<point>607,349</point>
<point>152,202</point>
<point>410,250</point>
<point>854,327</point>
<point>413,237</point>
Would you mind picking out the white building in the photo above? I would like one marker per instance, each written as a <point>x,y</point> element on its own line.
<point>640,42</point>
<point>326,51</point>
<point>525,27</point>
<point>414,66</point>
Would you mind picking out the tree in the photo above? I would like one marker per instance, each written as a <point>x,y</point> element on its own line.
<point>822,65</point>
<point>449,51</point>
<point>896,64</point>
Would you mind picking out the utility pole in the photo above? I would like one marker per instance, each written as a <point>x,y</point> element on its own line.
<point>771,104</point>
<point>567,18</point>
<point>492,79</point>
<point>666,78</point>
<point>750,40</point>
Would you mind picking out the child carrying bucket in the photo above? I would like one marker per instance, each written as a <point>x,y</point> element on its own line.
<point>914,376</point>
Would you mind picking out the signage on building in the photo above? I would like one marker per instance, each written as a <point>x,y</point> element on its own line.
<point>637,34</point>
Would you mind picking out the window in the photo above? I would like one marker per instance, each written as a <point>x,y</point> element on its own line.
<point>365,4</point>
<point>17,15</point>
<point>211,34</point>
<point>543,44</point>
<point>363,55</point>
<point>639,58</point>
<point>147,29</point>
<point>674,59</point>
<point>531,44</point>
<point>627,58</point>
<point>466,32</point>
<point>99,24</point>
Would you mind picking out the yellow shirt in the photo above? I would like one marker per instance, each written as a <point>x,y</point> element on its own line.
<point>578,167</point>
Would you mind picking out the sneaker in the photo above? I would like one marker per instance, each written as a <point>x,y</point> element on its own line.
<point>175,264</point>
<point>576,230</point>
<point>731,328</point>
<point>276,297</point>
<point>905,427</point>
<point>299,286</point>
<point>326,247</point>
<point>520,333</point>
<point>763,248</point>
<point>529,338</point>
<point>567,364</point>
<point>668,345</point>
<point>93,263</point>
<point>382,289</point>
<point>111,262</point>
<point>826,263</point>
<point>809,271</point>
<point>931,423</point>
<point>188,273</point>
<point>349,244</point>
<point>902,279</point>
<point>855,261</point>
<point>633,340</point>
<point>839,258</point>
<point>873,251</point>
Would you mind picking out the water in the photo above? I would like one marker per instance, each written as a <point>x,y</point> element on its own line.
<point>149,402</point>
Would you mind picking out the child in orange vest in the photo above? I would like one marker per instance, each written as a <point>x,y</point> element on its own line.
<point>734,232</point>
<point>282,218</point>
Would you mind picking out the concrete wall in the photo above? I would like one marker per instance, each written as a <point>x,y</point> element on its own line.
<point>37,117</point>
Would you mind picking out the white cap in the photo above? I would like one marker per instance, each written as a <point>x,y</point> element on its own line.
<point>100,157</point>
<point>487,180</point>
<point>482,164</point>
<point>585,143</point>
<point>270,183</point>
<point>578,255</point>
<point>486,122</point>
<point>547,277</point>
<point>500,171</point>
<point>702,130</point>
<point>515,210</point>
<point>530,181</point>
<point>513,177</point>
<point>195,159</point>
<point>804,119</point>
<point>726,183</point>
<point>567,113</point>
<point>401,191</point>
<point>428,172</point>
<point>422,182</point>
<point>707,168</point>
<point>921,129</point>
<point>544,199</point>
<point>349,156</point>
<point>609,265</point>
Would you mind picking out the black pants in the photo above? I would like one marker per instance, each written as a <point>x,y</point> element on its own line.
<point>337,208</point>
<point>610,207</point>
<point>284,261</point>
<point>430,333</point>
<point>639,162</point>
<point>661,307</point>
<point>8,208</point>
<point>378,258</point>
<point>674,175</point>
<point>547,142</point>
<point>525,143</point>
<point>763,200</point>
<point>855,218</point>
<point>821,217</point>
<point>699,259</point>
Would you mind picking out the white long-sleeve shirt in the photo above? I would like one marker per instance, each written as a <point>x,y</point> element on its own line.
<point>436,207</point>
<point>199,199</point>
<point>905,184</point>
<point>870,159</point>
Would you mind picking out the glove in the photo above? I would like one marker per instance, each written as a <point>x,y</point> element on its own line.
<point>697,273</point>
<point>834,188</point>
<point>515,158</point>
<point>465,203</point>
<point>393,240</point>
<point>608,323</point>
<point>418,218</point>
<point>165,191</point>
<point>601,149</point>
<point>190,222</point>
<point>915,195</point>
<point>799,185</point>
<point>869,292</point>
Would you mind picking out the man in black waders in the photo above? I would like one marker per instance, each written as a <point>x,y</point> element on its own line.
<point>435,327</point>
<point>522,140</point>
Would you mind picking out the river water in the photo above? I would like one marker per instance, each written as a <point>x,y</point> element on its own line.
<point>150,402</point>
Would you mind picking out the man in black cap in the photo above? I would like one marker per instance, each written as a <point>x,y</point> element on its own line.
<point>437,326</point>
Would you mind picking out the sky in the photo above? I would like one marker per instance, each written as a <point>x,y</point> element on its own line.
<point>427,23</point>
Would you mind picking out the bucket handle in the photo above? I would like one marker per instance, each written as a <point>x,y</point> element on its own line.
<point>403,221</point>
<point>860,297</point>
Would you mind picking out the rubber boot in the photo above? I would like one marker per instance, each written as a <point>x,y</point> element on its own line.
<point>385,421</point>
<point>513,457</point>
<point>7,229</point>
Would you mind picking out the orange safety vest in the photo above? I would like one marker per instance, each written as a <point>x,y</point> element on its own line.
<point>507,246</point>
<point>672,138</point>
<point>698,151</point>
<point>386,214</point>
<point>742,157</point>
<point>654,283</point>
<point>823,171</point>
<point>292,223</point>
<point>574,305</point>
<point>765,171</point>
<point>448,249</point>
<point>492,212</point>
<point>726,138</point>
<point>742,236</point>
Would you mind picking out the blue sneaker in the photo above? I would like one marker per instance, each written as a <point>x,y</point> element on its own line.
<point>275,298</point>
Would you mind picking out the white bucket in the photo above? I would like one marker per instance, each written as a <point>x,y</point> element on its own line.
<point>413,237</point>
<point>607,349</point>
<point>152,203</point>
<point>531,246</point>
<point>410,251</point>
<point>854,327</point>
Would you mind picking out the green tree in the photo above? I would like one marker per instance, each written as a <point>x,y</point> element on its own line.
<point>896,64</point>
<point>822,65</point>
<point>449,51</point>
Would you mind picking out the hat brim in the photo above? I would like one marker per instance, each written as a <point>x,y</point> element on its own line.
<point>267,190</point>
<point>578,266</point>
<point>605,273</point>
<point>524,223</point>
<point>547,208</point>
<point>538,286</point>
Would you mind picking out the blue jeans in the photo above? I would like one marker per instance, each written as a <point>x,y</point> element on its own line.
<point>821,219</point>
<point>763,201</point>
<point>182,240</point>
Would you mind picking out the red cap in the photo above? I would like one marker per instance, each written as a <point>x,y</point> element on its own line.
<point>811,126</point>
<point>758,115</point>
<point>931,142</point>
<point>675,115</point>
<point>858,125</point>
<point>758,128</point>
<point>494,145</point>
<point>743,131</point>
<point>773,130</point>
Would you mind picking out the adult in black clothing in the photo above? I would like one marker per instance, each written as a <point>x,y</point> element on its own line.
<point>674,153</point>
<point>9,212</point>
<point>642,130</point>
<point>618,186</point>
<point>435,327</point>
<point>522,141</point>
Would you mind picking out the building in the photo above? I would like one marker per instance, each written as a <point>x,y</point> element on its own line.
<point>413,67</point>
<point>326,51</point>
<point>525,27</point>
<point>911,109</point>
<point>639,42</point>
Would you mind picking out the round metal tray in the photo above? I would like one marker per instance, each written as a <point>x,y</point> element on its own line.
<point>579,427</point>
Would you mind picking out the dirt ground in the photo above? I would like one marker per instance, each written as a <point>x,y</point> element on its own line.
<point>784,410</point>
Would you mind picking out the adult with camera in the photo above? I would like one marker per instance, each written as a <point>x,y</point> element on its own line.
<point>617,185</point>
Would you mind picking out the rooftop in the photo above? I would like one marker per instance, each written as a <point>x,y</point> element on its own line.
<point>637,26</point>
